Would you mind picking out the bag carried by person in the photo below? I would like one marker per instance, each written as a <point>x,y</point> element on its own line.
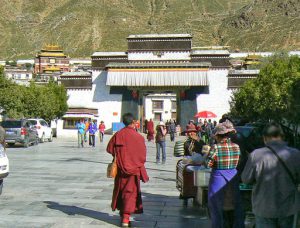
<point>288,171</point>
<point>112,169</point>
<point>179,148</point>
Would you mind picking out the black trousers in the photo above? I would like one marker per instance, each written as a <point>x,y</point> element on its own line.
<point>1,185</point>
<point>172,135</point>
<point>91,140</point>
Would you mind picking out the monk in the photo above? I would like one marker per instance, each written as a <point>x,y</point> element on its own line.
<point>128,148</point>
<point>150,130</point>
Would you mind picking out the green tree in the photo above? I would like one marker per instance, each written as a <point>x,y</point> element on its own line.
<point>269,96</point>
<point>60,98</point>
<point>47,102</point>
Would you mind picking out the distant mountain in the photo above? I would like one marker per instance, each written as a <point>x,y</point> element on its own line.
<point>84,26</point>
<point>265,25</point>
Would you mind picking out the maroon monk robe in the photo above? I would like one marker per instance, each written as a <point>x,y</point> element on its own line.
<point>150,130</point>
<point>130,150</point>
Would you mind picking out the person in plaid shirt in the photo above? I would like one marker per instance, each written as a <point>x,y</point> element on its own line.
<point>224,155</point>
<point>224,200</point>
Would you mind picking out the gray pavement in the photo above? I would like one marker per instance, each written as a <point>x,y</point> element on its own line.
<point>59,185</point>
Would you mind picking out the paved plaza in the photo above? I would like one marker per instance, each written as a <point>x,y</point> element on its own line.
<point>59,185</point>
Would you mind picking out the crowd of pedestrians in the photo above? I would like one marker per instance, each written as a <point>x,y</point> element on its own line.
<point>272,171</point>
<point>86,131</point>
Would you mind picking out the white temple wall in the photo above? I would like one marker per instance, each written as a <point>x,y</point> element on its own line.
<point>218,96</point>
<point>164,56</point>
<point>108,105</point>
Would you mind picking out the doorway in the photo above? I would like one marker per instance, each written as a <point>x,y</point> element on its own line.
<point>160,107</point>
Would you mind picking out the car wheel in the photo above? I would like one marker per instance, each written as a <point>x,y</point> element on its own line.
<point>10,144</point>
<point>51,138</point>
<point>43,138</point>
<point>26,143</point>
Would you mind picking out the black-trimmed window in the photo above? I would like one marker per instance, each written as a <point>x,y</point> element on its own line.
<point>157,105</point>
<point>173,105</point>
<point>70,123</point>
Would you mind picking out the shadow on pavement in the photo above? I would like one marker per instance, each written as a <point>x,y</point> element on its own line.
<point>161,170</point>
<point>84,160</point>
<point>165,179</point>
<point>74,210</point>
<point>159,211</point>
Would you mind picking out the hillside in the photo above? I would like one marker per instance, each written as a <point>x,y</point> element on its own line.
<point>264,25</point>
<point>84,26</point>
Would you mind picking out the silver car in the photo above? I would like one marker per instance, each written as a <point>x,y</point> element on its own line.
<point>20,131</point>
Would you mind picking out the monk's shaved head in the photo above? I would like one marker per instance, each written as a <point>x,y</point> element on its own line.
<point>127,119</point>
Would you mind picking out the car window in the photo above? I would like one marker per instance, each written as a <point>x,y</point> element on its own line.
<point>11,124</point>
<point>245,131</point>
<point>43,123</point>
<point>33,122</point>
<point>27,124</point>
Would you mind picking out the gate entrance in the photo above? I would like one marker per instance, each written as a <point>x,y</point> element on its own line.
<point>161,104</point>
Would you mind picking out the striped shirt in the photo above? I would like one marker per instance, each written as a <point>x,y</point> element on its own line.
<point>224,155</point>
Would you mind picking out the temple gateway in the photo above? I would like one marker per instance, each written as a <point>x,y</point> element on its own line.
<point>156,67</point>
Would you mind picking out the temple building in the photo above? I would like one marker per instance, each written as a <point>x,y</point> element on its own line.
<point>156,67</point>
<point>50,61</point>
<point>237,78</point>
<point>160,76</point>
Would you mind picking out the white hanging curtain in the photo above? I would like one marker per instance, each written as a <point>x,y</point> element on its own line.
<point>157,78</point>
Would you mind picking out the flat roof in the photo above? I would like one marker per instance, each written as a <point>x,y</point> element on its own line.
<point>156,35</point>
<point>110,53</point>
<point>210,52</point>
<point>243,72</point>
<point>158,65</point>
<point>22,61</point>
<point>76,73</point>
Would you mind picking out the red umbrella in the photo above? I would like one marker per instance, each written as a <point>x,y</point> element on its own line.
<point>205,114</point>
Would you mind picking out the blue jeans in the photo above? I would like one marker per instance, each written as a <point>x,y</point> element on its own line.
<point>161,145</point>
<point>283,222</point>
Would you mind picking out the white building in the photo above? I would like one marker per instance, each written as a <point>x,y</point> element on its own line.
<point>20,76</point>
<point>156,69</point>
<point>160,107</point>
<point>160,77</point>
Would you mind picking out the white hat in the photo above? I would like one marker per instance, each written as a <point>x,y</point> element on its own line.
<point>161,123</point>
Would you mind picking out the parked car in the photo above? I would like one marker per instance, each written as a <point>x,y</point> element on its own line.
<point>19,131</point>
<point>4,164</point>
<point>43,129</point>
<point>249,138</point>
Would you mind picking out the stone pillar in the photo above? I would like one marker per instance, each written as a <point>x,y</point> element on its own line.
<point>187,105</point>
<point>129,103</point>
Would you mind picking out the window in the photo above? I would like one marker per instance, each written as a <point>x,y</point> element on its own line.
<point>174,115</point>
<point>11,124</point>
<point>157,116</point>
<point>44,123</point>
<point>33,122</point>
<point>27,124</point>
<point>157,105</point>
<point>27,76</point>
<point>173,105</point>
<point>70,123</point>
